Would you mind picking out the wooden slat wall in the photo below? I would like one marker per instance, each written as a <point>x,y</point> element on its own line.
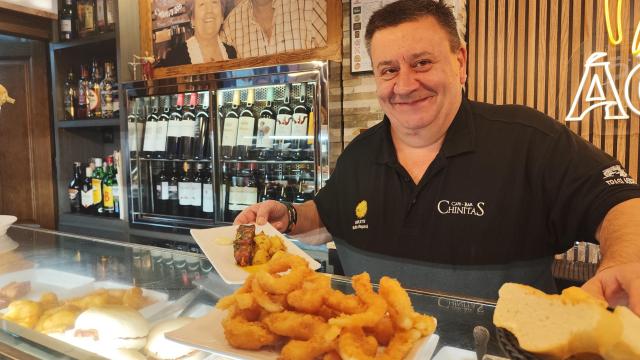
<point>532,52</point>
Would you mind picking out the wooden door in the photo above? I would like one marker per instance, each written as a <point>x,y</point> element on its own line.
<point>26,162</point>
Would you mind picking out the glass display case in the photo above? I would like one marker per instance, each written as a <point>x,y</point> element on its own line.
<point>202,148</point>
<point>182,283</point>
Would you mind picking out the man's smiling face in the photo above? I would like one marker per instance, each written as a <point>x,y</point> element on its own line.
<point>418,76</point>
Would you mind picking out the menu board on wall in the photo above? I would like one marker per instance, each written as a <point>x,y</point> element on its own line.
<point>361,11</point>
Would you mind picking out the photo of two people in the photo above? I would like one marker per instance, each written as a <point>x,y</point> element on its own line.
<point>202,31</point>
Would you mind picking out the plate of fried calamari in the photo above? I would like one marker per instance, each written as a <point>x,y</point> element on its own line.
<point>287,311</point>
<point>239,250</point>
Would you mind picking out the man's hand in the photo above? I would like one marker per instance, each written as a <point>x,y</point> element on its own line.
<point>617,285</point>
<point>267,211</point>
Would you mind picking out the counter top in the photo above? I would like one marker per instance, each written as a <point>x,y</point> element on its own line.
<point>171,274</point>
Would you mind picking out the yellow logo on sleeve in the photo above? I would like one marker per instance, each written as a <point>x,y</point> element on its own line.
<point>361,209</point>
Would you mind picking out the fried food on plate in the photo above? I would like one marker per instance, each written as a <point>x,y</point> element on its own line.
<point>58,319</point>
<point>250,248</point>
<point>131,297</point>
<point>286,302</point>
<point>24,313</point>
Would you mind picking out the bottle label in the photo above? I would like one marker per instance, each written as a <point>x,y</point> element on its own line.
<point>132,136</point>
<point>86,198</point>
<point>107,192</point>
<point>88,18</point>
<point>245,130</point>
<point>184,193</point>
<point>93,99</point>
<point>110,17</point>
<point>162,128</point>
<point>107,101</point>
<point>265,132</point>
<point>240,197</point>
<point>283,126</point>
<point>65,25</point>
<point>173,192</point>
<point>174,128</point>
<point>115,190</point>
<point>97,190</point>
<point>164,190</point>
<point>196,192</point>
<point>82,95</point>
<point>149,136</point>
<point>187,128</point>
<point>100,15</point>
<point>207,198</point>
<point>299,126</point>
<point>73,194</point>
<point>230,131</point>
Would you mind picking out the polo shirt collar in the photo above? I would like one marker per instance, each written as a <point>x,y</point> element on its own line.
<point>460,136</point>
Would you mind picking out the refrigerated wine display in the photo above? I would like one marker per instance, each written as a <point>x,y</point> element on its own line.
<point>231,141</point>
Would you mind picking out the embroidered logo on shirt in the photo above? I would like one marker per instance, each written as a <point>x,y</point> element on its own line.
<point>361,211</point>
<point>446,207</point>
<point>616,175</point>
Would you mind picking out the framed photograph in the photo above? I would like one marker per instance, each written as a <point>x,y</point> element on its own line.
<point>361,11</point>
<point>191,36</point>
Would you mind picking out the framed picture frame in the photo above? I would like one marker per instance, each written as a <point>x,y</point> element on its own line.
<point>361,11</point>
<point>187,37</point>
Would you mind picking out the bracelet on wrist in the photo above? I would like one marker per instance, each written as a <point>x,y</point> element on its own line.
<point>292,216</point>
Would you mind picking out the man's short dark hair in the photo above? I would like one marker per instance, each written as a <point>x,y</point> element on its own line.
<point>404,11</point>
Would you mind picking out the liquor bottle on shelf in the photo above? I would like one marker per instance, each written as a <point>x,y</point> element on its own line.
<point>173,132</point>
<point>86,193</point>
<point>185,191</point>
<point>207,193</point>
<point>196,191</point>
<point>201,134</point>
<point>96,183</point>
<point>94,100</point>
<point>230,128</point>
<point>284,125</point>
<point>67,21</point>
<point>86,17</point>
<point>101,21</point>
<point>135,127</point>
<point>162,190</point>
<point>174,180</point>
<point>246,128</point>
<point>162,128</point>
<point>150,128</point>
<point>110,190</point>
<point>187,128</point>
<point>110,14</point>
<point>106,91</point>
<point>83,93</point>
<point>266,129</point>
<point>300,124</point>
<point>70,97</point>
<point>75,187</point>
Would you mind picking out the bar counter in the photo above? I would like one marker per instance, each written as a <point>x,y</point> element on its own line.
<point>176,273</point>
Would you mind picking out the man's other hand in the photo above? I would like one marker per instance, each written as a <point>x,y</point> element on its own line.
<point>267,211</point>
<point>617,285</point>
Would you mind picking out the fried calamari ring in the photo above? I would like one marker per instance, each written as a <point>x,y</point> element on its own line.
<point>311,297</point>
<point>383,331</point>
<point>400,308</point>
<point>263,299</point>
<point>307,350</point>
<point>353,344</point>
<point>283,284</point>
<point>424,323</point>
<point>283,261</point>
<point>295,325</point>
<point>229,300</point>
<point>341,302</point>
<point>248,335</point>
<point>400,344</point>
<point>332,355</point>
<point>376,306</point>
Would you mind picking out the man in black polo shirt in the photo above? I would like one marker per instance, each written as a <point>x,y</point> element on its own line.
<point>451,194</point>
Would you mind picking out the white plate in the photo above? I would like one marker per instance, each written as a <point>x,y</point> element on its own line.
<point>63,284</point>
<point>454,353</point>
<point>221,256</point>
<point>160,299</point>
<point>206,333</point>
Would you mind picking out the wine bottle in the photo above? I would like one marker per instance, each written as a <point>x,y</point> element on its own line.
<point>207,193</point>
<point>83,92</point>
<point>185,193</point>
<point>283,126</point>
<point>162,190</point>
<point>174,179</point>
<point>196,191</point>
<point>266,128</point>
<point>246,128</point>
<point>151,128</point>
<point>93,96</point>
<point>135,126</point>
<point>187,128</point>
<point>299,125</point>
<point>86,193</point>
<point>173,132</point>
<point>75,187</point>
<point>230,128</point>
<point>108,184</point>
<point>96,182</point>
<point>67,21</point>
<point>201,134</point>
<point>70,97</point>
<point>162,128</point>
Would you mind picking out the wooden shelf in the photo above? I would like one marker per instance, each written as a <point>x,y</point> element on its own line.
<point>83,41</point>
<point>87,123</point>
